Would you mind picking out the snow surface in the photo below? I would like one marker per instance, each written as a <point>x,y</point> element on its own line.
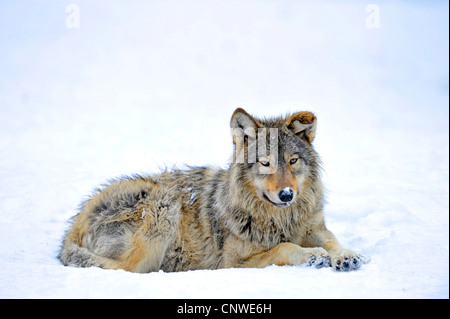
<point>148,84</point>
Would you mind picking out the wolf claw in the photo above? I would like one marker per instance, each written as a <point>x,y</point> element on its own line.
<point>319,262</point>
<point>348,263</point>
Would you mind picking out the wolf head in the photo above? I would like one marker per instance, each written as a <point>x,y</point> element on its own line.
<point>276,154</point>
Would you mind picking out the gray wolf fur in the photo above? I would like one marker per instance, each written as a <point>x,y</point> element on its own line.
<point>255,213</point>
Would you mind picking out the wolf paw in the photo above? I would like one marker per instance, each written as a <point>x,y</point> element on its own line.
<point>319,261</point>
<point>316,257</point>
<point>348,260</point>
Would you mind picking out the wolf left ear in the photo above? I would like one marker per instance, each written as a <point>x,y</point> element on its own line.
<point>303,124</point>
<point>242,121</point>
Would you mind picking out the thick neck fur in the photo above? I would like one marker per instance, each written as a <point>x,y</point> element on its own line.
<point>256,220</point>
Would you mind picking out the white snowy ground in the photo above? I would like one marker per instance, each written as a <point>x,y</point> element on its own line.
<point>147,84</point>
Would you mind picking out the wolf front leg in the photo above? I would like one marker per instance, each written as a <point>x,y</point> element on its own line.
<point>282,254</point>
<point>341,259</point>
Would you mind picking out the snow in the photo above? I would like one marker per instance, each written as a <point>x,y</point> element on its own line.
<point>149,84</point>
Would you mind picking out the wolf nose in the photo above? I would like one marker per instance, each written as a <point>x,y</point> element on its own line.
<point>286,195</point>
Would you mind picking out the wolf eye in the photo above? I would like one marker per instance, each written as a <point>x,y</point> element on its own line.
<point>265,163</point>
<point>293,161</point>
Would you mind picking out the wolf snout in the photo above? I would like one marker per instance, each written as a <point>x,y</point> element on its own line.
<point>286,195</point>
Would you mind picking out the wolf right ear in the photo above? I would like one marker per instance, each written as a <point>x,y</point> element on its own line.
<point>303,124</point>
<point>241,121</point>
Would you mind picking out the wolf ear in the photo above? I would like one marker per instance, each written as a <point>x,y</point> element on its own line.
<point>303,124</point>
<point>242,121</point>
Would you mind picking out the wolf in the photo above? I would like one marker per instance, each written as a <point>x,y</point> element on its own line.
<point>265,208</point>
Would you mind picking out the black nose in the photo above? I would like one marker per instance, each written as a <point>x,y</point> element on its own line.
<point>286,195</point>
